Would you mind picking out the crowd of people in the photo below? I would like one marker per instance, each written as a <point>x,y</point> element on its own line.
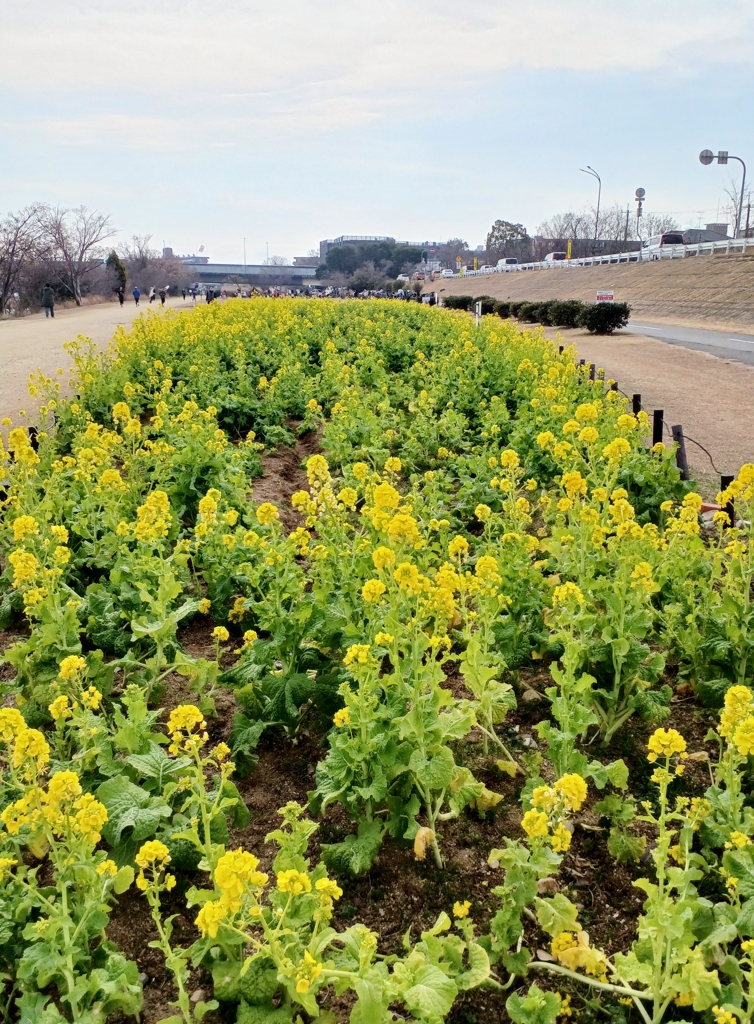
<point>211,293</point>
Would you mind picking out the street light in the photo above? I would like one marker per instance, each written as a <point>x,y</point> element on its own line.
<point>591,170</point>
<point>707,156</point>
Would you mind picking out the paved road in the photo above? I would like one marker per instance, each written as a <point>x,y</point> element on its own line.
<point>723,344</point>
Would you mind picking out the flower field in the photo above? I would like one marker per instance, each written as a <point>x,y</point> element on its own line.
<point>454,725</point>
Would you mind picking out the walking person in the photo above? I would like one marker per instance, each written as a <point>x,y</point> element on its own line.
<point>162,296</point>
<point>136,294</point>
<point>184,294</point>
<point>48,301</point>
<point>121,296</point>
<point>151,294</point>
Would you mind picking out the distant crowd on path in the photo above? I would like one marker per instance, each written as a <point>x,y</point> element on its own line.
<point>211,293</point>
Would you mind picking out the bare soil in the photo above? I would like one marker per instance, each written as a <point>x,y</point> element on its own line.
<point>700,291</point>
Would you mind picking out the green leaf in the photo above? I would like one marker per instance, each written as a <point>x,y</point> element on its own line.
<point>355,854</point>
<point>432,993</point>
<point>436,772</point>
<point>157,765</point>
<point>132,813</point>
<point>557,914</point>
<point>123,880</point>
<point>479,969</point>
<point>536,1007</point>
<point>372,1004</point>
<point>244,737</point>
<point>626,848</point>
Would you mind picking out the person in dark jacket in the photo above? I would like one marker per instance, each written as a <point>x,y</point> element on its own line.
<point>162,296</point>
<point>121,296</point>
<point>48,301</point>
<point>136,294</point>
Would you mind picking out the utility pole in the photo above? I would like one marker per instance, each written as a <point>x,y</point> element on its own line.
<point>625,235</point>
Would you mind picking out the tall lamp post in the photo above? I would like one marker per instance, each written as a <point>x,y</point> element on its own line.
<point>591,170</point>
<point>723,156</point>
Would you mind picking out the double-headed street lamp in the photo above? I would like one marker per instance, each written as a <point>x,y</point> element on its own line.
<point>707,156</point>
<point>591,170</point>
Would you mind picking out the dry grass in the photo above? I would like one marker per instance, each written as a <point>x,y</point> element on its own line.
<point>709,291</point>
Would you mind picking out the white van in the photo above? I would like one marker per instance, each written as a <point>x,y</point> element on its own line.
<point>507,261</point>
<point>555,257</point>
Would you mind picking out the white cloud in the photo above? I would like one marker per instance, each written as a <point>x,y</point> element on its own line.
<point>343,62</point>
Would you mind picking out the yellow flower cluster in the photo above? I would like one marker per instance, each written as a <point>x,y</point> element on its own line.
<point>187,729</point>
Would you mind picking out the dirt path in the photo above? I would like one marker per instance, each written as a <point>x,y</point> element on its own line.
<point>35,342</point>
<point>710,397</point>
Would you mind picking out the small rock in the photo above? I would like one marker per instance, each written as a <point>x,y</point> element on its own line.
<point>531,696</point>
<point>542,954</point>
<point>530,742</point>
<point>143,978</point>
<point>197,996</point>
<point>547,886</point>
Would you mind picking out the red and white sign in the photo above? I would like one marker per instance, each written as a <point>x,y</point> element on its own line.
<point>605,296</point>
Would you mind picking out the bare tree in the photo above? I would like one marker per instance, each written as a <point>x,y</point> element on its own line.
<point>454,247</point>
<point>74,238</point>
<point>657,224</point>
<point>733,193</point>
<point>137,254</point>
<point>20,247</point>
<point>276,261</point>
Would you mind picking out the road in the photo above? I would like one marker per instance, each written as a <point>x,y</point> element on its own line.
<point>723,344</point>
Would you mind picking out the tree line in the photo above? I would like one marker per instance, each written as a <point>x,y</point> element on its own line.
<point>67,249</point>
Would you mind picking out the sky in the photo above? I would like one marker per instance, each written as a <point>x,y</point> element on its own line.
<point>286,123</point>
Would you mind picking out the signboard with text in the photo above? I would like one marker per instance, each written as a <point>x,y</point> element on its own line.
<point>605,296</point>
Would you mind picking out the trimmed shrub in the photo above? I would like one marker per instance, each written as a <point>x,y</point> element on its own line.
<point>565,313</point>
<point>503,309</point>
<point>545,317</point>
<point>488,304</point>
<point>604,317</point>
<point>458,302</point>
<point>528,312</point>
<point>514,307</point>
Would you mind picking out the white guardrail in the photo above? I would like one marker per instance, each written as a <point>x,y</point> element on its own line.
<point>665,252</point>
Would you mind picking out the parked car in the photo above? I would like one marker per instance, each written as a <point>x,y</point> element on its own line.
<point>555,257</point>
<point>507,261</point>
<point>487,269</point>
<point>448,273</point>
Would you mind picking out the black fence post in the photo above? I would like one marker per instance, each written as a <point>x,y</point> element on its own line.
<point>659,415</point>
<point>680,453</point>
<point>614,386</point>
<point>726,481</point>
<point>636,404</point>
<point>560,350</point>
<point>592,372</point>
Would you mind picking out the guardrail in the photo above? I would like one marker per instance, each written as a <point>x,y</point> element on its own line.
<point>665,252</point>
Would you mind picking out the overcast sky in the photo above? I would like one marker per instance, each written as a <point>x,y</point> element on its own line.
<point>288,122</point>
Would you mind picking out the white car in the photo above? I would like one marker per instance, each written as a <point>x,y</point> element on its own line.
<point>447,273</point>
<point>487,269</point>
<point>554,257</point>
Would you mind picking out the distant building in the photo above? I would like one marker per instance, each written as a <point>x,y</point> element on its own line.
<point>262,275</point>
<point>709,233</point>
<point>306,261</point>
